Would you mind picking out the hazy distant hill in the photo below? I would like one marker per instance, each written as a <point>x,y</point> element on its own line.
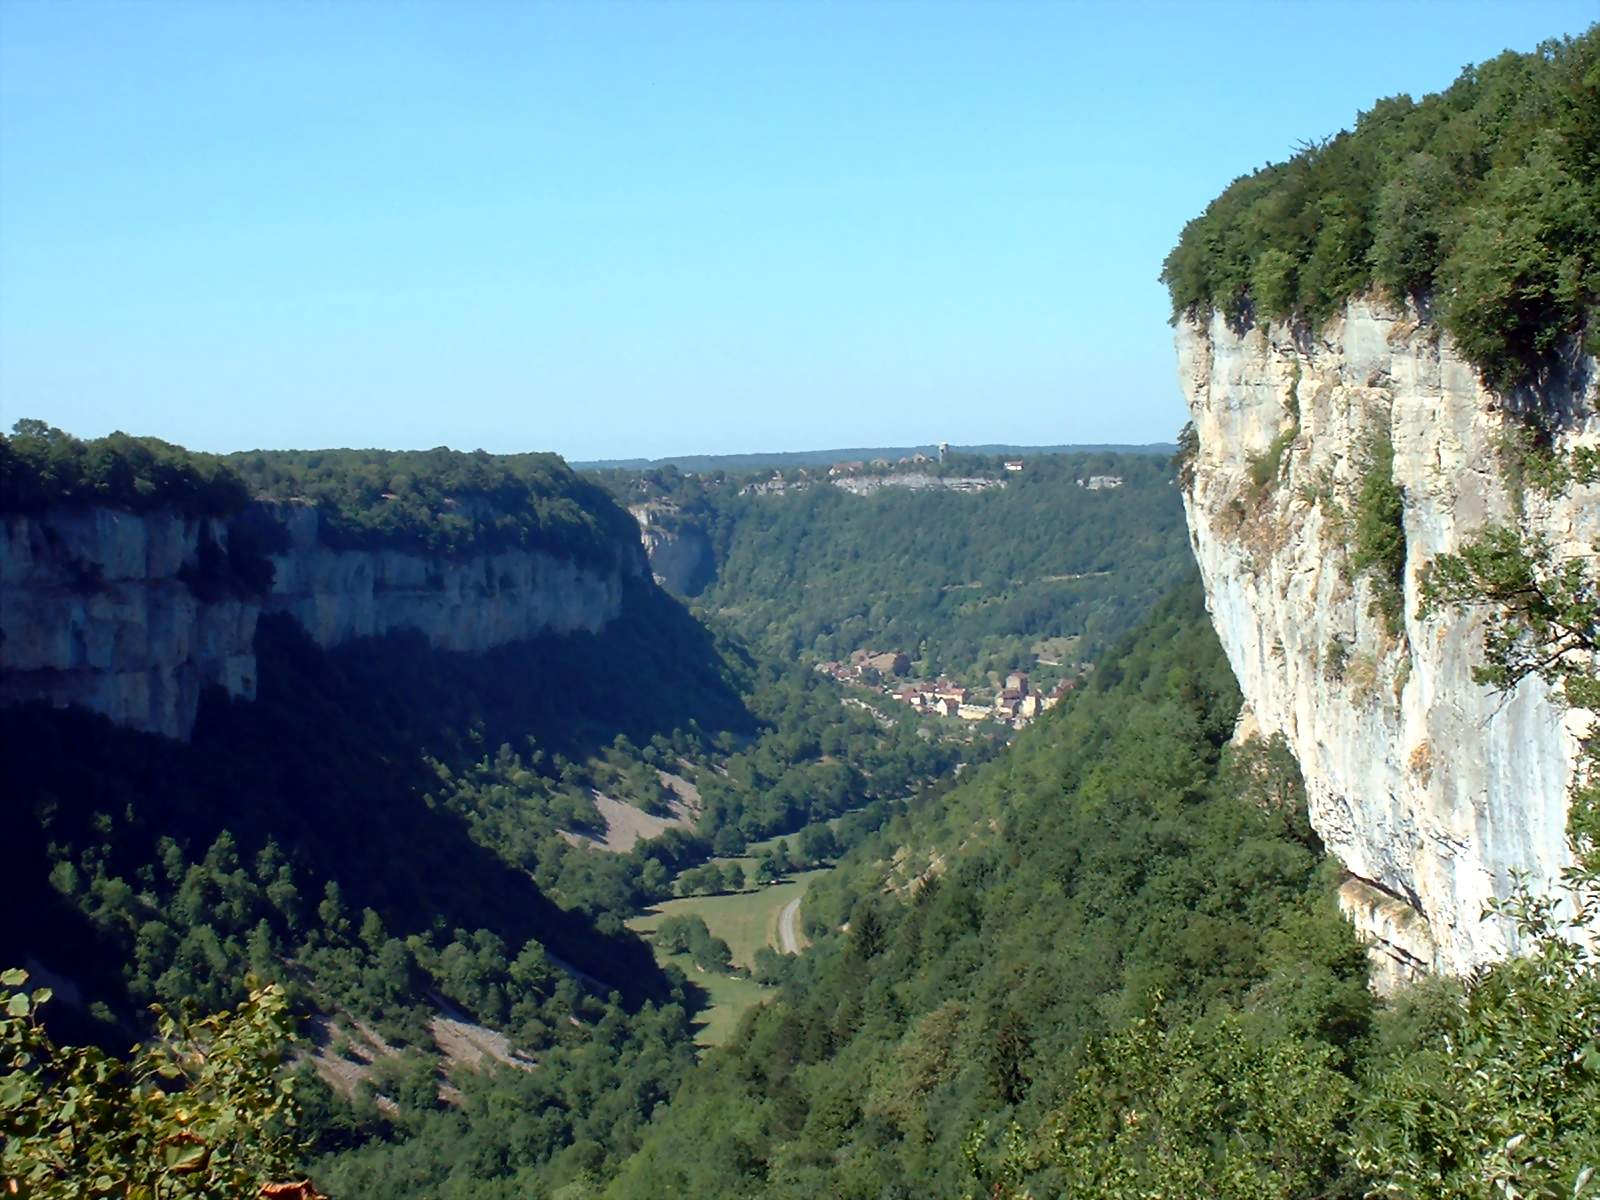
<point>811,458</point>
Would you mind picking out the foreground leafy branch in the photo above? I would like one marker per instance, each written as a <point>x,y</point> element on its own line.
<point>202,1111</point>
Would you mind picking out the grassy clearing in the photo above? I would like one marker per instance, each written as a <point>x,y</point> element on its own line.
<point>746,921</point>
<point>728,997</point>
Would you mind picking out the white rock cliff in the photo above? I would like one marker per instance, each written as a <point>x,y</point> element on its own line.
<point>95,610</point>
<point>93,613</point>
<point>470,604</point>
<point>680,553</point>
<point>1431,789</point>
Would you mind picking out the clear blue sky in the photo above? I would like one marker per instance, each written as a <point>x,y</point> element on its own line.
<point>646,229</point>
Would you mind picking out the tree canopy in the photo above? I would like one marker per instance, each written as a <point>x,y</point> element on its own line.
<point>1479,202</point>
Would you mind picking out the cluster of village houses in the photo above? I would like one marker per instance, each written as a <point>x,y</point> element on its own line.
<point>1014,704</point>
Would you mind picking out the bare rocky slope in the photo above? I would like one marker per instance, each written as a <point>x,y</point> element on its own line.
<point>99,608</point>
<point>1433,790</point>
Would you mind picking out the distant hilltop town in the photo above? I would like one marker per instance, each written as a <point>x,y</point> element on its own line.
<point>1014,703</point>
<point>860,477</point>
<point>916,472</point>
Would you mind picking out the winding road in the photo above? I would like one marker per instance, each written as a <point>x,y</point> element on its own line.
<point>788,935</point>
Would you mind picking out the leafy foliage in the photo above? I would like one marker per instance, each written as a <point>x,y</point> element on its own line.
<point>689,935</point>
<point>1503,1096</point>
<point>1546,615</point>
<point>203,1110</point>
<point>1479,200</point>
<point>1378,531</point>
<point>1142,1119</point>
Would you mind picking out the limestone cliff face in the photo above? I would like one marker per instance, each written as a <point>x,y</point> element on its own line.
<point>1431,789</point>
<point>101,608</point>
<point>680,553</point>
<point>470,604</point>
<point>94,613</point>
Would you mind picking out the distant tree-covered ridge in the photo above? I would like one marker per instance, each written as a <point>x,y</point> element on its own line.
<point>447,502</point>
<point>438,501</point>
<point>783,460</point>
<point>1480,202</point>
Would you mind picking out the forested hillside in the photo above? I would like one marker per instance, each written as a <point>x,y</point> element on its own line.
<point>1110,964</point>
<point>1108,869</point>
<point>965,583</point>
<point>783,460</point>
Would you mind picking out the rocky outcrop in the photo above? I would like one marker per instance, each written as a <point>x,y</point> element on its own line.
<point>1434,791</point>
<point>95,611</point>
<point>679,550</point>
<point>127,615</point>
<point>916,481</point>
<point>468,604</point>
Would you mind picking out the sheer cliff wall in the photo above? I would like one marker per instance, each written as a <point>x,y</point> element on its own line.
<point>1432,790</point>
<point>115,611</point>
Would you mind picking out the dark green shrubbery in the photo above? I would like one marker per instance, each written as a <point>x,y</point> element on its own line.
<point>1480,201</point>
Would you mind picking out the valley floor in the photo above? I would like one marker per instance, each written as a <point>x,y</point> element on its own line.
<point>747,921</point>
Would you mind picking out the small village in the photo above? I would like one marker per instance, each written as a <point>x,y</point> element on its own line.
<point>1015,703</point>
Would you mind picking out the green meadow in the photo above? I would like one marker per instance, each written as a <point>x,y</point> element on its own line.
<point>747,921</point>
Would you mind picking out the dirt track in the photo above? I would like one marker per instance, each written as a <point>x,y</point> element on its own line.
<point>788,935</point>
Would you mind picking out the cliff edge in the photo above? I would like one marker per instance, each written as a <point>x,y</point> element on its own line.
<point>133,614</point>
<point>1433,790</point>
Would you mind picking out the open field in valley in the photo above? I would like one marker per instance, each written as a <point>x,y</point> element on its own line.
<point>746,921</point>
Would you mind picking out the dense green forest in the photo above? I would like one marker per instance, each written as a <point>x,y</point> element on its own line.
<point>965,583</point>
<point>1104,962</point>
<point>1107,869</point>
<point>1479,202</point>
<point>783,460</point>
<point>1107,964</point>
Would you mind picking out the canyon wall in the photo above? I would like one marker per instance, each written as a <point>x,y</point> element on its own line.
<point>133,615</point>
<point>96,611</point>
<point>1432,789</point>
<point>681,558</point>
